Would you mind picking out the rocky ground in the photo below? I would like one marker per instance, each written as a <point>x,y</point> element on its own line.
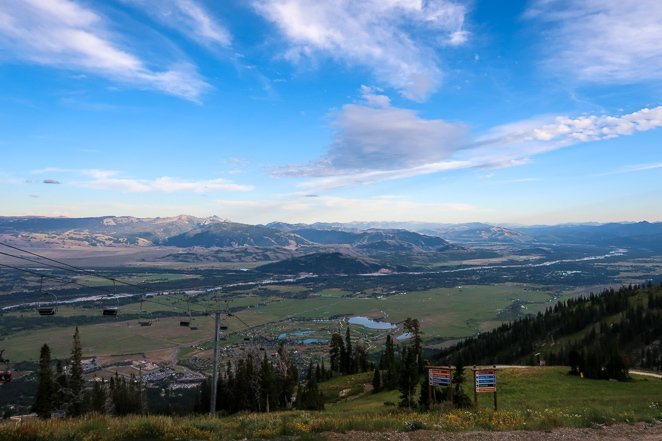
<point>616,432</point>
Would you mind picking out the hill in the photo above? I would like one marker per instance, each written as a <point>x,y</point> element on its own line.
<point>231,234</point>
<point>322,263</point>
<point>599,335</point>
<point>646,235</point>
<point>376,239</point>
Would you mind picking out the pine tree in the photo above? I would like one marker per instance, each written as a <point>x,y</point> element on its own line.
<point>76,382</point>
<point>348,361</point>
<point>391,378</point>
<point>460,398</point>
<point>337,352</point>
<point>376,381</point>
<point>44,399</point>
<point>98,399</point>
<point>408,377</point>
<point>413,327</point>
<point>62,392</point>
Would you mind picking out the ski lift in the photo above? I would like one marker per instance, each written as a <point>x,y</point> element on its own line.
<point>43,307</point>
<point>5,371</point>
<point>111,311</point>
<point>186,321</point>
<point>144,318</point>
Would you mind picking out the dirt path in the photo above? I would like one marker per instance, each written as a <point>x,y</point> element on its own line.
<point>616,432</point>
<point>644,373</point>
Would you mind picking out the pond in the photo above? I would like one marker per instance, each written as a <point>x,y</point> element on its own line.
<point>369,323</point>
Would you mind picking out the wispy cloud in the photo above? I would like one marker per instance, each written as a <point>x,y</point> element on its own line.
<point>374,144</point>
<point>602,41</point>
<point>633,168</point>
<point>115,180</point>
<point>67,35</point>
<point>397,40</point>
<point>112,180</point>
<point>189,18</point>
<point>341,209</point>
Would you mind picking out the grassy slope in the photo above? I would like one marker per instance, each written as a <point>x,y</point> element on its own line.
<point>537,398</point>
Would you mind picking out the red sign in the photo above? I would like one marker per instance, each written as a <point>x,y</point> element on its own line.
<point>439,376</point>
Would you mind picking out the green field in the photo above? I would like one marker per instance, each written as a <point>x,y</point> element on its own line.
<point>444,313</point>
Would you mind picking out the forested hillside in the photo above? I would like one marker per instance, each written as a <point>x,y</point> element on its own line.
<point>599,335</point>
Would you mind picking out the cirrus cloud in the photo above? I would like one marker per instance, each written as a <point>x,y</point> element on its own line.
<point>602,41</point>
<point>378,143</point>
<point>396,39</point>
<point>67,35</point>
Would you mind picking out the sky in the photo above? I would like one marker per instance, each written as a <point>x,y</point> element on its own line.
<point>516,112</point>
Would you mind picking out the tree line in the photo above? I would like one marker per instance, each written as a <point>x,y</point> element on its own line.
<point>61,390</point>
<point>614,330</point>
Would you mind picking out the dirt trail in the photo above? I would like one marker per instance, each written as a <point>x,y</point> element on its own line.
<point>645,373</point>
<point>616,432</point>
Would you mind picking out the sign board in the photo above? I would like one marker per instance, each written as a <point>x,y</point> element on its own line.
<point>485,380</point>
<point>439,377</point>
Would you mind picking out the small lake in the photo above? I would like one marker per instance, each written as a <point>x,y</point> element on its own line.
<point>309,341</point>
<point>369,323</point>
<point>405,336</point>
<point>295,334</point>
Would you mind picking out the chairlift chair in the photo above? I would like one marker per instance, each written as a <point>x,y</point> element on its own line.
<point>185,322</point>
<point>44,307</point>
<point>144,319</point>
<point>111,311</point>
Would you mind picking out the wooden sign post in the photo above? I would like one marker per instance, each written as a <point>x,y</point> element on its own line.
<point>439,376</point>
<point>485,381</point>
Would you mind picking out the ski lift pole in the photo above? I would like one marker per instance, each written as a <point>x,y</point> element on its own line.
<point>214,375</point>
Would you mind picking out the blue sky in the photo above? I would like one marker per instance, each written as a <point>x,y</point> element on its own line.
<point>540,111</point>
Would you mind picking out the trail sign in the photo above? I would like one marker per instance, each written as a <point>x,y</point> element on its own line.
<point>485,380</point>
<point>439,377</point>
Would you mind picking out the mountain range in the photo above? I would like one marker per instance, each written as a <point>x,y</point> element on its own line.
<point>367,237</point>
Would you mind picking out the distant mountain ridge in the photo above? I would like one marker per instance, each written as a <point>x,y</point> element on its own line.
<point>367,237</point>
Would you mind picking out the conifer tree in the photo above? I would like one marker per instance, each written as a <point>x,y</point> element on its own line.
<point>408,377</point>
<point>348,361</point>
<point>62,392</point>
<point>391,377</point>
<point>98,398</point>
<point>376,381</point>
<point>44,399</point>
<point>76,382</point>
<point>337,352</point>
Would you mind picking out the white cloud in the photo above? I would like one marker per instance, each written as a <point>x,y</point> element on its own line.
<point>164,184</point>
<point>371,141</point>
<point>386,143</point>
<point>114,180</point>
<point>340,209</point>
<point>189,18</point>
<point>64,34</point>
<point>603,41</point>
<point>396,39</point>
